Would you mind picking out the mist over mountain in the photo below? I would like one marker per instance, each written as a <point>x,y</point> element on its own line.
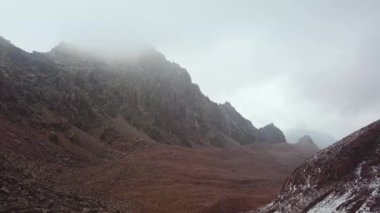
<point>190,106</point>
<point>82,112</point>
<point>307,143</point>
<point>321,139</point>
<point>286,63</point>
<point>151,93</point>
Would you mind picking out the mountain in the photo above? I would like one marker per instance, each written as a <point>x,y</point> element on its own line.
<point>86,133</point>
<point>345,177</point>
<point>321,139</point>
<point>272,134</point>
<point>87,91</point>
<point>306,140</point>
<point>307,145</point>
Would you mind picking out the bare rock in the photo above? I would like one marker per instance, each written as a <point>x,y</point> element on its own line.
<point>272,134</point>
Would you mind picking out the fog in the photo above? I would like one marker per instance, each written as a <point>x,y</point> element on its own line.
<point>299,64</point>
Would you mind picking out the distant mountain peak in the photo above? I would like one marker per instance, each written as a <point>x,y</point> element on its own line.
<point>307,143</point>
<point>321,139</point>
<point>272,134</point>
<point>306,139</point>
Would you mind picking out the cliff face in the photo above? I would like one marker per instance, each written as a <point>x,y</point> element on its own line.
<point>88,91</point>
<point>272,134</point>
<point>345,177</point>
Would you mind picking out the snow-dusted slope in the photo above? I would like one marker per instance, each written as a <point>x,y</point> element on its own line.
<point>345,177</point>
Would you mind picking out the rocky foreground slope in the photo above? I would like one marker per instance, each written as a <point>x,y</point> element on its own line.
<point>27,164</point>
<point>345,177</point>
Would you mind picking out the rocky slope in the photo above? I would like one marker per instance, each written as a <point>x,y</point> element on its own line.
<point>272,134</point>
<point>27,163</point>
<point>38,175</point>
<point>345,177</point>
<point>85,90</point>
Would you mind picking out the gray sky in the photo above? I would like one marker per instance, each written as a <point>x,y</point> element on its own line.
<point>300,64</point>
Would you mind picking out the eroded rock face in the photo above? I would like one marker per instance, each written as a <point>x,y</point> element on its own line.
<point>151,93</point>
<point>345,177</point>
<point>272,134</point>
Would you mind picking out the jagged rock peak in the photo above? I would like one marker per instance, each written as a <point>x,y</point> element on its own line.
<point>227,105</point>
<point>9,52</point>
<point>4,41</point>
<point>6,45</point>
<point>272,134</point>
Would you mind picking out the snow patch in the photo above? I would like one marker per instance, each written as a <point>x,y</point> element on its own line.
<point>330,203</point>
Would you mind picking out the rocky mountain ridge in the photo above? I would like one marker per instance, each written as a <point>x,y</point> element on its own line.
<point>149,92</point>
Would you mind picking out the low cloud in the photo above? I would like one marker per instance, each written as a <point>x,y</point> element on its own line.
<point>299,64</point>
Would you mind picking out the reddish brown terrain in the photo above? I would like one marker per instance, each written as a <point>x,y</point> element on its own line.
<point>155,177</point>
<point>79,133</point>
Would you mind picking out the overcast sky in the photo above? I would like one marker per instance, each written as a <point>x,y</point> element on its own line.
<point>300,64</point>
